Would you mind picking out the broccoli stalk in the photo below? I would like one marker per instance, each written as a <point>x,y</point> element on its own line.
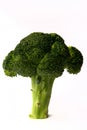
<point>41,93</point>
<point>42,57</point>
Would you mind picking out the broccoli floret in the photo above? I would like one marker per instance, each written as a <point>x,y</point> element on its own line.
<point>75,61</point>
<point>8,65</point>
<point>42,57</point>
<point>51,65</point>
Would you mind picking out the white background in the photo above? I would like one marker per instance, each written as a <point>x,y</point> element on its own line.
<point>68,106</point>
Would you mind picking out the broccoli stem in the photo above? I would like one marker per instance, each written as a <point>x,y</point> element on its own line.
<point>41,94</point>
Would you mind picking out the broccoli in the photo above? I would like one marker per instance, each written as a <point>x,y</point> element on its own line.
<point>42,57</point>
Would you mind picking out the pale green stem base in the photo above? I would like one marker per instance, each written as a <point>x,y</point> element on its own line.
<point>41,94</point>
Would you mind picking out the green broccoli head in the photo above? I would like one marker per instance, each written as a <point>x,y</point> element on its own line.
<point>43,57</point>
<point>42,54</point>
